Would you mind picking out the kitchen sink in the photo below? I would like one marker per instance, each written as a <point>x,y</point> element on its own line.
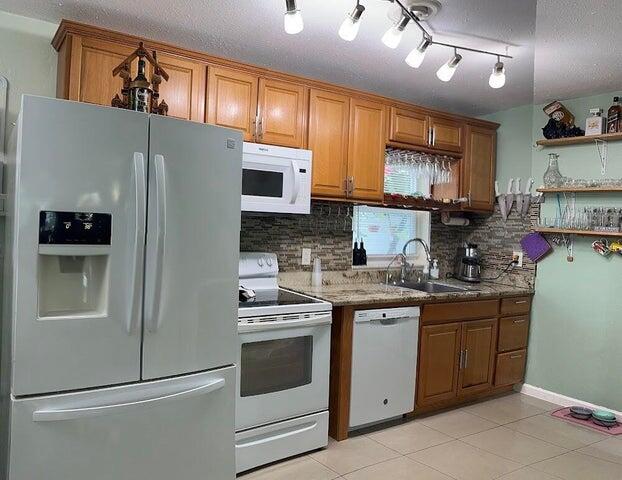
<point>431,287</point>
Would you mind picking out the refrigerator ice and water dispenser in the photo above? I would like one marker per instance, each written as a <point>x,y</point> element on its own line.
<point>74,249</point>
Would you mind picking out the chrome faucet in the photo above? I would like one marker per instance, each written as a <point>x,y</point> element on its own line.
<point>405,264</point>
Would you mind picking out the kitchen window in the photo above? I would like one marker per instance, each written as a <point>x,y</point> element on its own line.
<point>384,232</point>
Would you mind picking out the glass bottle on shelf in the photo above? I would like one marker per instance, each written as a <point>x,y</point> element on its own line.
<point>552,176</point>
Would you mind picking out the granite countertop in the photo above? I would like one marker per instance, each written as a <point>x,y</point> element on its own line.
<point>377,293</point>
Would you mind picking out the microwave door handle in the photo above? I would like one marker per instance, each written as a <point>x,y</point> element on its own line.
<point>160,176</point>
<point>296,186</point>
<point>139,240</point>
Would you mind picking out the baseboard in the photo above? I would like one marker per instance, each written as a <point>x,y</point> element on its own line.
<point>558,398</point>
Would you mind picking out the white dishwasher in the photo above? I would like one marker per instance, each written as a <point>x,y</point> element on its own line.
<point>384,364</point>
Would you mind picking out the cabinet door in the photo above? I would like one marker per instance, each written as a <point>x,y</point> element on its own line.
<point>328,140</point>
<point>366,149</point>
<point>184,93</point>
<point>510,368</point>
<point>282,113</point>
<point>478,175</point>
<point>408,126</point>
<point>478,350</point>
<point>438,360</point>
<point>232,100</point>
<point>446,134</point>
<point>91,77</point>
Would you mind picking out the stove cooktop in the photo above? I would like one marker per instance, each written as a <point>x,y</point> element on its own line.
<point>275,298</point>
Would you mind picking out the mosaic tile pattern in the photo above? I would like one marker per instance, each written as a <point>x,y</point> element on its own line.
<point>328,232</point>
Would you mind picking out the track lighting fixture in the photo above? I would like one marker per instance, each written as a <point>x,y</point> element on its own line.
<point>416,56</point>
<point>393,35</point>
<point>349,30</point>
<point>293,18</point>
<point>497,77</point>
<point>446,72</point>
<point>350,26</point>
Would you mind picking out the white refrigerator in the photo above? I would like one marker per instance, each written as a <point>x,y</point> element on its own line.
<point>119,335</point>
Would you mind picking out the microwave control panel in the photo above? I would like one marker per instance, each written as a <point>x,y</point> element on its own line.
<point>74,228</point>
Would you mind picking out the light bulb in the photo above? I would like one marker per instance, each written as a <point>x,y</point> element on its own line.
<point>393,35</point>
<point>350,26</point>
<point>293,22</point>
<point>415,58</point>
<point>447,70</point>
<point>497,77</point>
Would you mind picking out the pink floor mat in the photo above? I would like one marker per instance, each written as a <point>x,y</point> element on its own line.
<point>564,414</point>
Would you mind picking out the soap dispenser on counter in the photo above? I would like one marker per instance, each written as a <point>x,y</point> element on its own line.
<point>434,271</point>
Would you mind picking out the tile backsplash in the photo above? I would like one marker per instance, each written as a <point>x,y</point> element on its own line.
<point>327,231</point>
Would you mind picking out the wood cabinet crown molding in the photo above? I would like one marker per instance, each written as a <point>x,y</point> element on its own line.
<point>69,28</point>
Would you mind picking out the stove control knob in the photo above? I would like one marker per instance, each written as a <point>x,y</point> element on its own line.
<point>269,261</point>
<point>260,261</point>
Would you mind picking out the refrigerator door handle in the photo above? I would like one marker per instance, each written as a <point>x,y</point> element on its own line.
<point>139,240</point>
<point>160,177</point>
<point>99,410</point>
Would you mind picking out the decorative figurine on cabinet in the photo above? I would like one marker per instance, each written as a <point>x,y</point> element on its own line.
<point>141,94</point>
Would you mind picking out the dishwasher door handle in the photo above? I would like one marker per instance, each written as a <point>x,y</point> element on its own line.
<point>385,321</point>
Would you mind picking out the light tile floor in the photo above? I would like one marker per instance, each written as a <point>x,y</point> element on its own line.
<point>507,438</point>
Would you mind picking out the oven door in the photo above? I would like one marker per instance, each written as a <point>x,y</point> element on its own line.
<point>275,182</point>
<point>283,368</point>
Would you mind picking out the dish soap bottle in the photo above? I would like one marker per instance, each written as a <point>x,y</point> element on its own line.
<point>614,117</point>
<point>434,271</point>
<point>552,176</point>
<point>363,254</point>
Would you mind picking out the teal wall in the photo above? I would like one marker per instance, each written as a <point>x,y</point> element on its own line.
<point>576,335</point>
<point>575,344</point>
<point>513,143</point>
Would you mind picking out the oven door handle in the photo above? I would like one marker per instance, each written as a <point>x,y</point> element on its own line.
<point>277,325</point>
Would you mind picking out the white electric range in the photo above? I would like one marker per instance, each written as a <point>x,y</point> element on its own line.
<point>283,367</point>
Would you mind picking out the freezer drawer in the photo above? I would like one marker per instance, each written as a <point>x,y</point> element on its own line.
<point>384,361</point>
<point>262,445</point>
<point>181,428</point>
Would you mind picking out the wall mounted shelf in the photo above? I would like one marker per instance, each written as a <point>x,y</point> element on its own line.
<point>568,231</point>
<point>558,142</point>
<point>580,189</point>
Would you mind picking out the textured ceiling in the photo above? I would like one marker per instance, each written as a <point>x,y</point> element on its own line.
<point>252,31</point>
<point>578,48</point>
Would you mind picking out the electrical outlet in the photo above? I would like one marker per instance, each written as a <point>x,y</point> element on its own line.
<point>306,256</point>
<point>518,257</point>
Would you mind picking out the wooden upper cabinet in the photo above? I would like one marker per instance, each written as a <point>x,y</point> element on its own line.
<point>86,76</point>
<point>408,126</point>
<point>366,149</point>
<point>184,93</point>
<point>232,100</point>
<point>478,355</point>
<point>478,173</point>
<point>89,76</point>
<point>328,140</point>
<point>446,135</point>
<point>281,113</point>
<point>438,363</point>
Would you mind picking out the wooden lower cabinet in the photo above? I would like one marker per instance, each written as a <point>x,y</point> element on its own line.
<point>478,355</point>
<point>510,368</point>
<point>439,354</point>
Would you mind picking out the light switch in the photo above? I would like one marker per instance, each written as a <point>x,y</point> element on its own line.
<point>306,256</point>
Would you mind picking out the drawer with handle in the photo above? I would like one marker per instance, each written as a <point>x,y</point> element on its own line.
<point>510,368</point>
<point>514,305</point>
<point>513,333</point>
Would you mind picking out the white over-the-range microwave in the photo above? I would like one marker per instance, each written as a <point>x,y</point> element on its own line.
<point>276,179</point>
